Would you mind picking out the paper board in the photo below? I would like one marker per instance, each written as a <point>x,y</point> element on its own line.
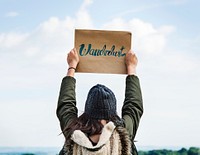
<point>102,51</point>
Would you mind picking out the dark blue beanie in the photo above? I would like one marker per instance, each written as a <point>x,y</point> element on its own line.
<point>100,103</point>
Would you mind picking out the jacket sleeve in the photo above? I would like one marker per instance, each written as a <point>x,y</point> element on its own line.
<point>132,109</point>
<point>66,108</point>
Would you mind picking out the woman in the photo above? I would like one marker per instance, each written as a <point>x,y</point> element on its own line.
<point>99,130</point>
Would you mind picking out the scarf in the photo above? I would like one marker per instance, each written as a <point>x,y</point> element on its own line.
<point>113,141</point>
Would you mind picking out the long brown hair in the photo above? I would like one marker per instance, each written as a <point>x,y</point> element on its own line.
<point>88,125</point>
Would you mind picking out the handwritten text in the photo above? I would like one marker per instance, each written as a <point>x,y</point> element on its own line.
<point>83,51</point>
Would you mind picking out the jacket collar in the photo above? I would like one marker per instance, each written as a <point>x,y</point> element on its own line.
<point>81,139</point>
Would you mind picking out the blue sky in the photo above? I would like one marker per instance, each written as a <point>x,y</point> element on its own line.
<point>36,36</point>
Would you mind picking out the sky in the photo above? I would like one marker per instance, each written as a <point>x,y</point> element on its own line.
<point>35,38</point>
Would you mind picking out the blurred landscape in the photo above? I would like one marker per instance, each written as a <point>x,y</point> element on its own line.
<point>29,150</point>
<point>55,151</point>
<point>35,37</point>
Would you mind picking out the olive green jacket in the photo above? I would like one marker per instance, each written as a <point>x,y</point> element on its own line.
<point>132,109</point>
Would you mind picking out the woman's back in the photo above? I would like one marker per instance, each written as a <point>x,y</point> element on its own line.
<point>86,134</point>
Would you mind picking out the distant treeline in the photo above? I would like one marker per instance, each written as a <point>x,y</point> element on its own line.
<point>183,151</point>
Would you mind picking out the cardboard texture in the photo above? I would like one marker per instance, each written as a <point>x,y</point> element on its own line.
<point>102,51</point>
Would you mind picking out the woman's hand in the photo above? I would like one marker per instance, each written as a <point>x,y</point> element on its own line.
<point>72,60</point>
<point>131,62</point>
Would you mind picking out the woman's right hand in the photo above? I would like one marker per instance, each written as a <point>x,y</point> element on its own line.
<point>131,62</point>
<point>73,58</point>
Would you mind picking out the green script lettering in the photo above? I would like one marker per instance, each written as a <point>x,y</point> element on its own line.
<point>83,51</point>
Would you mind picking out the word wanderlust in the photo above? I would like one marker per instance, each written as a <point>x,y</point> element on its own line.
<point>83,51</point>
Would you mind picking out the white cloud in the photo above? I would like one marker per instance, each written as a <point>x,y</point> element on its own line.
<point>85,4</point>
<point>52,25</point>
<point>12,39</point>
<point>83,19</point>
<point>181,63</point>
<point>31,51</point>
<point>152,45</point>
<point>146,38</point>
<point>166,29</point>
<point>56,35</point>
<point>50,40</point>
<point>116,24</point>
<point>53,38</point>
<point>12,14</point>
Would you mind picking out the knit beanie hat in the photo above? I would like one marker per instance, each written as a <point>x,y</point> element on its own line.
<point>100,103</point>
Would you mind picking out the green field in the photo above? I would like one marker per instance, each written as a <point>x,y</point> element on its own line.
<point>183,151</point>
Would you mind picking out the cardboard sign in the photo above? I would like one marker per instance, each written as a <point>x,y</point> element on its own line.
<point>102,51</point>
